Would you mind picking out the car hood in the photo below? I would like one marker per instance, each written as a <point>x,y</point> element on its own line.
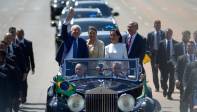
<point>118,85</point>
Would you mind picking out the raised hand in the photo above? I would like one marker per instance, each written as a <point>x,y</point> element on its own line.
<point>70,14</point>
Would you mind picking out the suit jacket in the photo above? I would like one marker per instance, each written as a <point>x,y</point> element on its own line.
<point>82,51</point>
<point>178,50</point>
<point>189,78</point>
<point>18,56</point>
<point>150,40</point>
<point>180,67</point>
<point>162,59</point>
<point>28,54</point>
<point>138,48</point>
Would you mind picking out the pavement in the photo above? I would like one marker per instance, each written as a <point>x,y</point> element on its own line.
<point>33,17</point>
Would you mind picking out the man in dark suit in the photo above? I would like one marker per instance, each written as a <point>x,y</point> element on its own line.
<point>9,85</point>
<point>152,45</point>
<point>26,45</point>
<point>135,44</point>
<point>180,67</point>
<point>73,46</point>
<point>181,48</point>
<point>190,86</point>
<point>195,38</point>
<point>15,51</point>
<point>166,63</point>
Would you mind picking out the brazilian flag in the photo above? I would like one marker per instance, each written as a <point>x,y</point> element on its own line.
<point>63,87</point>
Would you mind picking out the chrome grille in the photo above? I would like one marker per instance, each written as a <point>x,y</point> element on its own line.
<point>101,99</point>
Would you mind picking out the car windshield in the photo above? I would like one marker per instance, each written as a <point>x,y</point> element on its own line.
<point>103,7</point>
<point>100,25</point>
<point>83,14</point>
<point>101,68</point>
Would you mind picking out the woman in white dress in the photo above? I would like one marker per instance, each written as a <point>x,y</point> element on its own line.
<point>116,49</point>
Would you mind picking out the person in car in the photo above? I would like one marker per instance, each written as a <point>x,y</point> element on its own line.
<point>116,49</point>
<point>80,70</point>
<point>117,70</point>
<point>95,46</point>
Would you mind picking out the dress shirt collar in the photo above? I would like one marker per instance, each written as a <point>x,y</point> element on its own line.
<point>20,40</point>
<point>133,36</point>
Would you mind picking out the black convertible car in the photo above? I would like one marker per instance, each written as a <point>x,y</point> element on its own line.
<point>100,85</point>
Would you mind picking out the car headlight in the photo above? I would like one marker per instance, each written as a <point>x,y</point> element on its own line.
<point>126,102</point>
<point>76,103</point>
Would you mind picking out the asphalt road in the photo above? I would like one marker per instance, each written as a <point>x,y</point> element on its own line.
<point>33,17</point>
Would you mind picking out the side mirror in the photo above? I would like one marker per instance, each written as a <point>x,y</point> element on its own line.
<point>53,24</point>
<point>115,14</point>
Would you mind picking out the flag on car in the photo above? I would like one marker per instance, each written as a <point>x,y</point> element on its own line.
<point>146,59</point>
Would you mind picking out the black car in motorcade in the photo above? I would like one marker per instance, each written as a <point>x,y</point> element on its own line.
<point>106,10</point>
<point>56,7</point>
<point>100,85</point>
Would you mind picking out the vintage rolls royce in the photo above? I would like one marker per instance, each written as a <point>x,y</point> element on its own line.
<point>100,85</point>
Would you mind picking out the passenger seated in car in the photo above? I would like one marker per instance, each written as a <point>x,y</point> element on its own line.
<point>117,70</point>
<point>80,70</point>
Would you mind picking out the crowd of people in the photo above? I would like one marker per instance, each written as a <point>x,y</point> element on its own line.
<point>16,60</point>
<point>175,60</point>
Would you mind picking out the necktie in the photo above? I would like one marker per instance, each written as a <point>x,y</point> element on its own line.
<point>168,49</point>
<point>190,57</point>
<point>129,42</point>
<point>74,48</point>
<point>156,41</point>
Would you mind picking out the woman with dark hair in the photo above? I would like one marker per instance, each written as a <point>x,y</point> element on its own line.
<point>95,46</point>
<point>116,49</point>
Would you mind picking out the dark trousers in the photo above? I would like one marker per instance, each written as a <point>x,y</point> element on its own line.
<point>24,87</point>
<point>183,104</point>
<point>155,70</point>
<point>167,73</point>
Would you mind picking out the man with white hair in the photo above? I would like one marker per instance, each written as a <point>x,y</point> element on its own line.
<point>73,46</point>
